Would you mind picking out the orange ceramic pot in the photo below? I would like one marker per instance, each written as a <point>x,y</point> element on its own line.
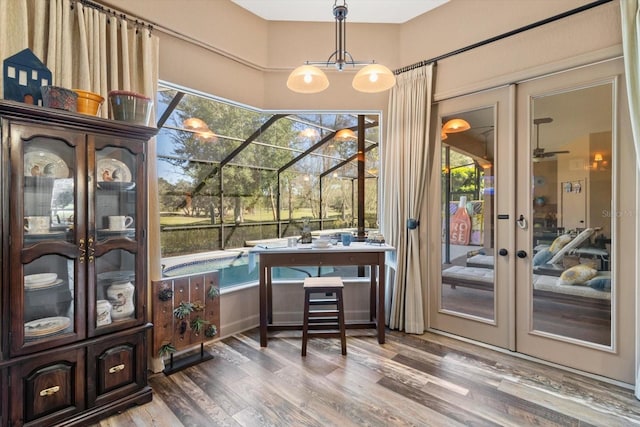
<point>88,102</point>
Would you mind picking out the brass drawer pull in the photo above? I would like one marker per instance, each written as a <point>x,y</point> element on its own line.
<point>49,391</point>
<point>116,368</point>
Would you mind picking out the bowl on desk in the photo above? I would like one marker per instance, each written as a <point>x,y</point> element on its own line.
<point>321,243</point>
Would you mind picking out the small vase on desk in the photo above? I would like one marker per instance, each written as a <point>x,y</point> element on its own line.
<point>120,296</point>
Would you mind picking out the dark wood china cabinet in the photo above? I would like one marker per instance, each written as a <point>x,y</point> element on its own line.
<point>74,323</point>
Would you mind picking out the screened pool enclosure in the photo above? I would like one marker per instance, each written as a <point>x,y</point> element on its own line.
<point>230,175</point>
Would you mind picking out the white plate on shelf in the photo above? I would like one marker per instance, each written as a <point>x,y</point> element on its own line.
<point>43,163</point>
<point>46,326</point>
<point>42,286</point>
<point>40,279</point>
<point>112,170</point>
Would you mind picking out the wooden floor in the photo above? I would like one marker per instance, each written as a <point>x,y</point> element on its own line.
<point>428,380</point>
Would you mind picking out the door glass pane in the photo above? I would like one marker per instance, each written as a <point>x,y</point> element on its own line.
<point>571,136</point>
<point>49,194</point>
<point>467,209</point>
<point>115,293</point>
<point>115,193</point>
<point>49,289</point>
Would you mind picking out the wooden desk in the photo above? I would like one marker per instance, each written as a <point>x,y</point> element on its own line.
<point>360,254</point>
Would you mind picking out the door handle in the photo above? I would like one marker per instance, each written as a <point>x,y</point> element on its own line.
<point>521,254</point>
<point>522,222</point>
<point>503,252</point>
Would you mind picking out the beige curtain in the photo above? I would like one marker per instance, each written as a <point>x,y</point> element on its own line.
<point>405,181</point>
<point>88,49</point>
<point>630,10</point>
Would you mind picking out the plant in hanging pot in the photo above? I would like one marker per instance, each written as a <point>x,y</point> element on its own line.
<point>198,324</point>
<point>211,331</point>
<point>166,349</point>
<point>165,294</point>
<point>183,310</point>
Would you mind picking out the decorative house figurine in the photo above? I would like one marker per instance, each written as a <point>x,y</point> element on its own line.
<point>24,74</point>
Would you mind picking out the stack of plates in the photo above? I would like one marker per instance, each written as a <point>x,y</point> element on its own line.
<point>46,326</point>
<point>41,281</point>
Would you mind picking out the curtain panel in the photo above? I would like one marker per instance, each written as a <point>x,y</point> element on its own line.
<point>405,183</point>
<point>84,48</point>
<point>89,49</point>
<point>630,12</point>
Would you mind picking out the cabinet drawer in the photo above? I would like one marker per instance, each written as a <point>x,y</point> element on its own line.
<point>47,388</point>
<point>116,368</point>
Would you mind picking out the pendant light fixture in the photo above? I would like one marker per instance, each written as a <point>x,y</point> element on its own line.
<point>345,134</point>
<point>372,78</point>
<point>456,125</point>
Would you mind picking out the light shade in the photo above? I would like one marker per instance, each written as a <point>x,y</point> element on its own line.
<point>597,157</point>
<point>456,125</point>
<point>374,78</point>
<point>345,135</point>
<point>207,135</point>
<point>195,124</point>
<point>307,79</point>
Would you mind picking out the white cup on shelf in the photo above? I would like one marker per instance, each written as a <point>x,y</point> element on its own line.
<point>119,222</point>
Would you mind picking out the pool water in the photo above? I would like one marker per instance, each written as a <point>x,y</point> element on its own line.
<point>234,270</point>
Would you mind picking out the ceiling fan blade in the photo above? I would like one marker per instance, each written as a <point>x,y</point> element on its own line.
<point>557,152</point>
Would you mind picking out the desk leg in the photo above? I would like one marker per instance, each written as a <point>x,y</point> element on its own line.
<point>381,289</point>
<point>269,296</point>
<point>373,295</point>
<point>263,307</point>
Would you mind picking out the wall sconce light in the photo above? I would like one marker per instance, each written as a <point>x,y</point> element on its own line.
<point>371,79</point>
<point>456,125</point>
<point>597,157</point>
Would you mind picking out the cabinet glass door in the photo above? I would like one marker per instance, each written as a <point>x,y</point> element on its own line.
<point>119,218</point>
<point>47,241</point>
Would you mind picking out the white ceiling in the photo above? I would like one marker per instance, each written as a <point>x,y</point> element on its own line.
<point>369,11</point>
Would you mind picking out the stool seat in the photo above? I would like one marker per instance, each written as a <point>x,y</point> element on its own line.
<point>330,318</point>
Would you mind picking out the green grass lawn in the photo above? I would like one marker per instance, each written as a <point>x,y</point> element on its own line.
<point>171,219</point>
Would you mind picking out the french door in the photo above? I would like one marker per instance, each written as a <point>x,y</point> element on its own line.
<point>471,292</point>
<point>533,241</point>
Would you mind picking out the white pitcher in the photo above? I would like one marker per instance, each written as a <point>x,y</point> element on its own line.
<point>120,296</point>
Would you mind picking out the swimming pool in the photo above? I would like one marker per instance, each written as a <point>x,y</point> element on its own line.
<point>234,269</point>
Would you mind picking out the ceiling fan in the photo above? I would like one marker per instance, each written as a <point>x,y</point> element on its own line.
<point>539,153</point>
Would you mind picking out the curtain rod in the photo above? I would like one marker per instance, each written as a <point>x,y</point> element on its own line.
<point>502,36</point>
<point>138,23</point>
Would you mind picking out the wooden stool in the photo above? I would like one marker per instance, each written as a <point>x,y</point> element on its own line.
<point>329,323</point>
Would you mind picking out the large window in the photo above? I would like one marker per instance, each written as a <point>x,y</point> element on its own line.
<point>230,175</point>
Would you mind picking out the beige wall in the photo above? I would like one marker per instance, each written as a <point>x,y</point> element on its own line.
<point>246,59</point>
